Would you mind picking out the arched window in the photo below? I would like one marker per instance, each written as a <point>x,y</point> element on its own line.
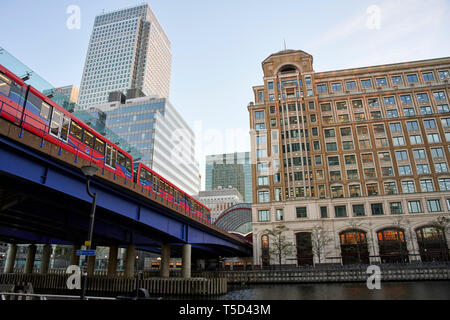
<point>432,244</point>
<point>265,255</point>
<point>304,248</point>
<point>392,245</point>
<point>354,249</point>
<point>288,69</point>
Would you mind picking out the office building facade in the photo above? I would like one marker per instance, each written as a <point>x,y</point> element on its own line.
<point>219,200</point>
<point>360,156</point>
<point>231,169</point>
<point>128,49</point>
<point>154,127</point>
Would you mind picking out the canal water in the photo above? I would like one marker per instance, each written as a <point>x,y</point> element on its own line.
<point>417,290</point>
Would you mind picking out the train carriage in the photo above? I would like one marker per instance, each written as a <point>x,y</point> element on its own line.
<point>35,112</point>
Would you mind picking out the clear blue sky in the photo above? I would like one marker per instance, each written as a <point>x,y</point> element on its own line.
<point>218,46</point>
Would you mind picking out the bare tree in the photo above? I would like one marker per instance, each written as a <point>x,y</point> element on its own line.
<point>320,239</point>
<point>280,246</point>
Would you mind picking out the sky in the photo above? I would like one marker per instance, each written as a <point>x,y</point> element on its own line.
<point>218,47</point>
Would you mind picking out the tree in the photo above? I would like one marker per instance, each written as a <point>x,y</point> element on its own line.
<point>279,246</point>
<point>320,238</point>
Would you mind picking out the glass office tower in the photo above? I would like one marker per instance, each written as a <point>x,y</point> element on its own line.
<point>128,49</point>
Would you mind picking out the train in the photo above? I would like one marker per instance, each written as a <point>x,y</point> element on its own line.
<point>35,112</point>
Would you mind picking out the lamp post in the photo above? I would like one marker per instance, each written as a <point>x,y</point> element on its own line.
<point>89,172</point>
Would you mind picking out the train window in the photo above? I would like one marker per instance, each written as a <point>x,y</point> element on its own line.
<point>65,127</point>
<point>76,130</point>
<point>5,85</point>
<point>110,156</point>
<point>121,160</point>
<point>34,102</point>
<point>56,122</point>
<point>45,111</point>
<point>88,138</point>
<point>99,146</point>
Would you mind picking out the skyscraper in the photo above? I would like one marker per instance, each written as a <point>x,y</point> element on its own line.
<point>128,49</point>
<point>358,155</point>
<point>231,169</point>
<point>157,130</point>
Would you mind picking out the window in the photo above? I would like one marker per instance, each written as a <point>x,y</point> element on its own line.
<point>429,124</point>
<point>444,74</point>
<point>401,155</point>
<point>387,171</point>
<point>412,78</point>
<point>337,192</point>
<point>428,76</point>
<point>277,194</point>
<point>322,88</point>
<point>377,209</point>
<point>434,205</point>
<point>276,177</point>
<point>412,125</point>
<point>358,210</point>
<point>426,185</point>
<point>396,207</point>
<point>395,127</point>
<point>270,85</point>
<point>324,212</point>
<point>384,156</point>
<point>416,139</point>
<point>325,107</point>
<point>419,154</point>
<point>404,170</point>
<point>414,206</point>
<point>378,128</point>
<point>337,86</point>
<point>335,175</point>
<point>340,211</point>
<point>280,216</point>
<point>263,181</point>
<point>346,132</point>
<point>369,173</point>
<point>263,215</point>
<point>301,212</point>
<point>260,126</point>
<point>263,196</point>
<point>406,99</point>
<point>396,80</point>
<point>422,97</point>
<point>364,144</point>
<point>367,158</point>
<point>355,190</point>
<point>375,114</point>
<point>381,82</point>
<point>390,188</point>
<point>440,95</point>
<point>329,133</point>
<point>423,169</point>
<point>444,184</point>
<point>389,101</point>
<point>433,138</point>
<point>441,167</point>
<point>437,153</point>
<point>366,83</point>
<point>343,118</point>
<point>350,85</point>
<point>360,116</point>
<point>408,112</point>
<point>259,115</point>
<point>333,161</point>
<point>408,187</point>
<point>426,110</point>
<point>318,160</point>
<point>392,113</point>
<point>443,108</point>
<point>350,159</point>
<point>331,146</point>
<point>352,174</point>
<point>372,189</point>
<point>348,145</point>
<point>361,130</point>
<point>398,141</point>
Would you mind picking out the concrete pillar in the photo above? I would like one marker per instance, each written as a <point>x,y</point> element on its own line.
<point>29,263</point>
<point>91,263</point>
<point>45,258</point>
<point>112,261</point>
<point>10,258</point>
<point>129,261</point>
<point>186,261</point>
<point>165,261</point>
<point>75,259</point>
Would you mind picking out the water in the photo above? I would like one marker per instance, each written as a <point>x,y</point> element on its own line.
<point>418,290</point>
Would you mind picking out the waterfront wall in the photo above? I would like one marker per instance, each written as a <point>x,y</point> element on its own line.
<point>56,283</point>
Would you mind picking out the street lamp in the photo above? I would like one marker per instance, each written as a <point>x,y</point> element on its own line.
<point>89,172</point>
